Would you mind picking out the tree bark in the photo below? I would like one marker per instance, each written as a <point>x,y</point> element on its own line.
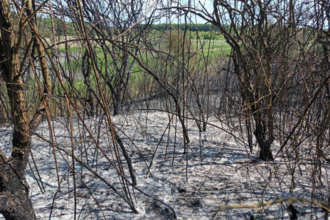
<point>14,192</point>
<point>15,203</point>
<point>265,153</point>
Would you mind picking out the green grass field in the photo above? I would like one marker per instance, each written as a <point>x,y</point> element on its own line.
<point>212,47</point>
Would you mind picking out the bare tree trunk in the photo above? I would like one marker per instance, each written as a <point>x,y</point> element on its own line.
<point>264,144</point>
<point>14,191</point>
<point>117,104</point>
<point>15,203</point>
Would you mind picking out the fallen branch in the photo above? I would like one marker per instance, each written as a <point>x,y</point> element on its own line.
<point>270,203</point>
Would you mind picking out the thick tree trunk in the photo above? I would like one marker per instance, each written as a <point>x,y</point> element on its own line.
<point>265,151</point>
<point>264,144</point>
<point>15,203</point>
<point>117,104</point>
<point>14,191</point>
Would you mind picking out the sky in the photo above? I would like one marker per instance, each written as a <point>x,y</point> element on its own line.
<point>174,18</point>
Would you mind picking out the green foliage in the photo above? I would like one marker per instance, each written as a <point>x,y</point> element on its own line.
<point>189,27</point>
<point>45,27</point>
<point>210,35</point>
<point>71,49</point>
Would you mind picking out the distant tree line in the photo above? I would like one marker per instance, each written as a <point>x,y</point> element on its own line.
<point>190,27</point>
<point>44,24</point>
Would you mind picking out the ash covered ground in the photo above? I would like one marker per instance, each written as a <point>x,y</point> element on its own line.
<point>217,178</point>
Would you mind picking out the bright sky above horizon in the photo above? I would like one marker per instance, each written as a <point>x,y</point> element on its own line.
<point>206,4</point>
